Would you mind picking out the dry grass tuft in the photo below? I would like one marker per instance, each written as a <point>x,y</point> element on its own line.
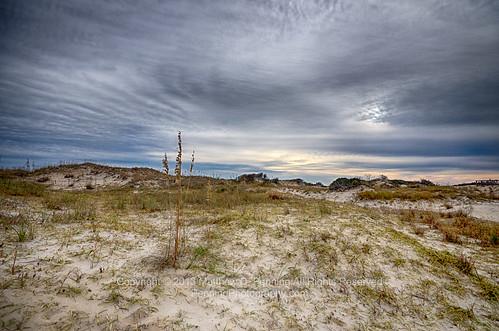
<point>275,196</point>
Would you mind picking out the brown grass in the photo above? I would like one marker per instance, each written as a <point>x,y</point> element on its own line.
<point>454,226</point>
<point>424,193</point>
<point>411,193</point>
<point>275,196</point>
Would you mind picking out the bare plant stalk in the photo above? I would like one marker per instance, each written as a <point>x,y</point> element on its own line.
<point>166,170</point>
<point>178,223</point>
<point>170,236</point>
<point>13,269</point>
<point>208,190</point>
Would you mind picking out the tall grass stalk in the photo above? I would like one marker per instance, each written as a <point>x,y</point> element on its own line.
<point>166,168</point>
<point>178,221</point>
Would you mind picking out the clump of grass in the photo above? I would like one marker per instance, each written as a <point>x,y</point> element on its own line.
<point>398,262</point>
<point>465,264</point>
<point>283,231</point>
<point>286,210</point>
<point>198,253</point>
<point>324,208</point>
<point>489,289</point>
<point>24,232</point>
<point>494,239</point>
<point>420,231</point>
<point>294,273</point>
<point>450,235</point>
<point>275,196</point>
<point>460,316</point>
<point>24,229</point>
<point>115,297</point>
<point>408,216</point>
<point>382,294</point>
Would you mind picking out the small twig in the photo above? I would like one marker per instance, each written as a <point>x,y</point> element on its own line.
<point>65,278</point>
<point>13,270</point>
<point>420,297</point>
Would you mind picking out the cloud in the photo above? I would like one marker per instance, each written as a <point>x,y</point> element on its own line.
<point>252,82</point>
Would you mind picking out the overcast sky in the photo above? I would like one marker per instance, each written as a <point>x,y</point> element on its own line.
<point>312,89</point>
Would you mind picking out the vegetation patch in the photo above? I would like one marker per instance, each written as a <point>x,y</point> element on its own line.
<point>455,225</point>
<point>18,187</point>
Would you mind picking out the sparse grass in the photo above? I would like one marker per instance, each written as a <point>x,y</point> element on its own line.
<point>325,208</point>
<point>324,254</point>
<point>443,260</point>
<point>224,197</point>
<point>61,200</point>
<point>147,201</point>
<point>204,258</point>
<point>82,210</point>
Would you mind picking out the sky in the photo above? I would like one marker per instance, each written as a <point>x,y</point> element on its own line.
<point>313,88</point>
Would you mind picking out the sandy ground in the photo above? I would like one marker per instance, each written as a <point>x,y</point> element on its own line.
<point>267,268</point>
<point>479,209</point>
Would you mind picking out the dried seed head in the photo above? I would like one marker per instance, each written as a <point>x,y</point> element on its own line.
<point>178,165</point>
<point>166,168</point>
<point>192,163</point>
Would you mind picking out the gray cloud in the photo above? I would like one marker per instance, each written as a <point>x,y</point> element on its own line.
<point>248,80</point>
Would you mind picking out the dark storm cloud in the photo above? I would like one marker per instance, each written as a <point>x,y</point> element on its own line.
<point>422,146</point>
<point>452,103</point>
<point>249,80</point>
